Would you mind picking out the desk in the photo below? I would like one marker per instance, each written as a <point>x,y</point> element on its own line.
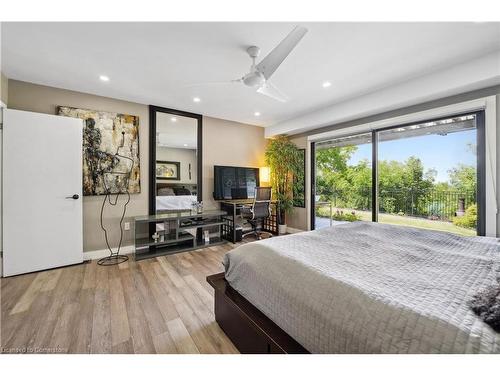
<point>233,209</point>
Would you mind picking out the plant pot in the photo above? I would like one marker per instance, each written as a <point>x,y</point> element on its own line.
<point>282,228</point>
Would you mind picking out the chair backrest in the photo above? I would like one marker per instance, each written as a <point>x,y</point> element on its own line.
<point>261,207</point>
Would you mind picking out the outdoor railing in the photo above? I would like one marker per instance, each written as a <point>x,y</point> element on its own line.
<point>431,204</point>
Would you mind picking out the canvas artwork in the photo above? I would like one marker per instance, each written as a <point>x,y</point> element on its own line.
<point>168,170</point>
<point>111,162</point>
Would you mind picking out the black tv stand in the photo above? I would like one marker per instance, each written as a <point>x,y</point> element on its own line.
<point>181,231</point>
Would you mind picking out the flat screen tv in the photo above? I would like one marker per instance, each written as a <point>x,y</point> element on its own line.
<point>235,182</point>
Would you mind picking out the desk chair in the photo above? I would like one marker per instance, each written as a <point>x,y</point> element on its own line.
<point>260,210</point>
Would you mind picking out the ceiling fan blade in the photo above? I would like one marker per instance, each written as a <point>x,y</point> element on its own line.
<point>272,91</point>
<point>274,59</point>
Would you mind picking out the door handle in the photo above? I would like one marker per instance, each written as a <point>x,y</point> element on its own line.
<point>74,196</point>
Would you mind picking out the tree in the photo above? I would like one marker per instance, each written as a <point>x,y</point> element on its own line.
<point>404,186</point>
<point>334,158</point>
<point>332,169</point>
<point>463,177</point>
<point>283,158</point>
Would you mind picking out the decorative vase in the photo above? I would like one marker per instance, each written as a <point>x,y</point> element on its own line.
<point>282,228</point>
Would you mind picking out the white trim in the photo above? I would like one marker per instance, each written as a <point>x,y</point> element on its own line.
<point>490,127</point>
<point>469,106</point>
<point>98,254</point>
<point>308,186</point>
<point>488,104</point>
<point>2,106</point>
<point>291,230</point>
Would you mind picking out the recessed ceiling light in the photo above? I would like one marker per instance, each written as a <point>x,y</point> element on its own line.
<point>326,84</point>
<point>196,99</point>
<point>104,78</point>
<point>173,119</point>
<point>185,144</point>
<point>257,114</point>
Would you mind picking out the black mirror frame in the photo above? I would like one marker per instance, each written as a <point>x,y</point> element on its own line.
<point>152,152</point>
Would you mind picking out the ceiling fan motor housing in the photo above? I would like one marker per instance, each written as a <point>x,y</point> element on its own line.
<point>253,51</point>
<point>254,79</point>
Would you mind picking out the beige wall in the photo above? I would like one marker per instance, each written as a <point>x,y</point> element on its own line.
<point>229,143</point>
<point>224,142</point>
<point>4,89</point>
<point>36,98</point>
<point>183,156</point>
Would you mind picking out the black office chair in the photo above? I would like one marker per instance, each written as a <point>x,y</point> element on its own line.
<point>261,210</point>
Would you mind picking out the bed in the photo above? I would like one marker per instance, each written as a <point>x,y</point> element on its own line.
<point>175,202</point>
<point>175,197</point>
<point>358,288</point>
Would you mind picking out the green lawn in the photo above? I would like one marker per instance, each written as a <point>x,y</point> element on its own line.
<point>405,220</point>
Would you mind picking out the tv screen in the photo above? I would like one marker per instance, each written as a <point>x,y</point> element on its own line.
<point>235,182</point>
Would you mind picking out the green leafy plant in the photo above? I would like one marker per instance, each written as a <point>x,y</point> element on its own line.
<point>284,159</point>
<point>346,216</point>
<point>469,220</point>
<point>388,204</point>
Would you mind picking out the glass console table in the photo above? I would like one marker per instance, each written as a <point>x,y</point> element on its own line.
<point>174,232</point>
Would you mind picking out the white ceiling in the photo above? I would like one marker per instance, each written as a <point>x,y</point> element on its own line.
<point>153,63</point>
<point>180,133</point>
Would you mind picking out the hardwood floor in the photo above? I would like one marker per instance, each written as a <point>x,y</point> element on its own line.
<point>160,305</point>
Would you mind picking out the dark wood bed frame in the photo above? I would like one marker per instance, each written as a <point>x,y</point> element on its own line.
<point>248,328</point>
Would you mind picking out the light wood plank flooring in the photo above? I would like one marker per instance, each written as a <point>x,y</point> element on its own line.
<point>160,305</point>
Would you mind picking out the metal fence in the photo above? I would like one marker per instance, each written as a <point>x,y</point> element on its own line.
<point>432,204</point>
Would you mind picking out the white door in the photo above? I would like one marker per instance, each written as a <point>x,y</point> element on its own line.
<point>42,191</point>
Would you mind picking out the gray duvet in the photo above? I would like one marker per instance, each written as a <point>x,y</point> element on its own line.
<point>371,288</point>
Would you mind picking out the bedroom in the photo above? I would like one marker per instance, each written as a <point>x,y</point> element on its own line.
<point>250,187</point>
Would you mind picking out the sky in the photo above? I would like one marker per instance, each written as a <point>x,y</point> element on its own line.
<point>435,151</point>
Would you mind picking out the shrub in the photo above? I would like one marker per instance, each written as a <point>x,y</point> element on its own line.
<point>348,216</point>
<point>388,204</point>
<point>469,220</point>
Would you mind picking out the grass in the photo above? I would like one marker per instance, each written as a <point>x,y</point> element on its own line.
<point>404,220</point>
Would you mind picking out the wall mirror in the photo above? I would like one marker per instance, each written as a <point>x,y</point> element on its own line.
<point>175,160</point>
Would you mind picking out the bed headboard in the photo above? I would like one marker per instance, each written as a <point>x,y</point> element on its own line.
<point>191,187</point>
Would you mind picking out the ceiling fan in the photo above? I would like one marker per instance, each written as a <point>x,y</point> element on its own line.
<point>259,74</point>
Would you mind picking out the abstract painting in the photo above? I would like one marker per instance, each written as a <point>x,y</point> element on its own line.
<point>168,170</point>
<point>111,162</point>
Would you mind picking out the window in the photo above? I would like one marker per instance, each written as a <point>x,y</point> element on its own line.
<point>426,175</point>
<point>343,180</point>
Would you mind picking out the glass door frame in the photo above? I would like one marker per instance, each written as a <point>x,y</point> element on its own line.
<point>481,164</point>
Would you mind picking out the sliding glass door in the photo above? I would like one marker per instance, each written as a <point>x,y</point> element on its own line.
<point>426,175</point>
<point>343,180</point>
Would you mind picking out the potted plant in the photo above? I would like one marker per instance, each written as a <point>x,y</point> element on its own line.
<point>284,160</point>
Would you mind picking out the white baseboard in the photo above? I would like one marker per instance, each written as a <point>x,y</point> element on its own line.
<point>91,255</point>
<point>98,254</point>
<point>293,230</point>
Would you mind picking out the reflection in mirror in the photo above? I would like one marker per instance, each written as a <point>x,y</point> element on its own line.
<point>176,162</point>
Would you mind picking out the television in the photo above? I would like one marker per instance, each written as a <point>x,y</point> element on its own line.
<point>235,182</point>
